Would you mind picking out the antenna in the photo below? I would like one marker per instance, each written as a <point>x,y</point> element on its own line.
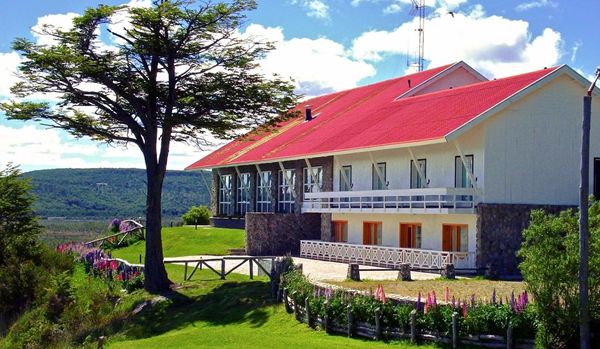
<point>419,9</point>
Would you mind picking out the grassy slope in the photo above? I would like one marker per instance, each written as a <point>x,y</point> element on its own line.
<point>236,313</point>
<point>186,241</point>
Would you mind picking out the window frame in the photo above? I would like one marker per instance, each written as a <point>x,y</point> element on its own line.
<point>285,203</point>
<point>414,181</point>
<point>225,192</point>
<point>377,235</point>
<point>344,233</point>
<point>349,175</point>
<point>416,237</point>
<point>242,201</point>
<point>457,161</point>
<point>310,186</point>
<point>263,197</point>
<point>375,177</point>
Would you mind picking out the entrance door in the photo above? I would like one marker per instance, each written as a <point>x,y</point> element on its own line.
<point>597,178</point>
<point>340,231</point>
<point>372,233</point>
<point>455,238</point>
<point>410,235</point>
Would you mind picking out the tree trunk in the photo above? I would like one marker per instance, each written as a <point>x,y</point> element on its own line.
<point>156,278</point>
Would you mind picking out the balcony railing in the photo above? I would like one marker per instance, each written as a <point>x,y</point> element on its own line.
<point>383,256</point>
<point>423,200</point>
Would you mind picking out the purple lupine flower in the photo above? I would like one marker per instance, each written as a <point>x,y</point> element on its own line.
<point>524,300</point>
<point>472,300</point>
<point>501,301</point>
<point>494,297</point>
<point>418,301</point>
<point>512,299</point>
<point>453,302</point>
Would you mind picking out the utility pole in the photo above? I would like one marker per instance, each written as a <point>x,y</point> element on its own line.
<point>584,306</point>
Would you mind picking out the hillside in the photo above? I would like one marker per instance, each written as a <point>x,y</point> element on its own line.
<point>109,193</point>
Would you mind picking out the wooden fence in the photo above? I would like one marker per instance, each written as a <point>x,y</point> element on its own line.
<point>117,239</point>
<point>223,272</point>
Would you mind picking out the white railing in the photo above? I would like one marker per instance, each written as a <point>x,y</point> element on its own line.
<point>423,200</point>
<point>383,256</point>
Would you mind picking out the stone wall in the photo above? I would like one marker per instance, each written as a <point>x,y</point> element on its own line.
<point>269,234</point>
<point>499,234</point>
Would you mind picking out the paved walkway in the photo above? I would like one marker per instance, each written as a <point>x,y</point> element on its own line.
<point>314,269</point>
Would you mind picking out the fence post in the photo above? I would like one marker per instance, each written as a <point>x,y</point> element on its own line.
<point>509,336</point>
<point>350,320</point>
<point>325,317</point>
<point>286,300</point>
<point>185,272</point>
<point>251,268</point>
<point>455,330</point>
<point>413,326</point>
<point>295,302</point>
<point>307,308</point>
<point>378,324</point>
<point>353,272</point>
<point>223,269</point>
<point>404,272</point>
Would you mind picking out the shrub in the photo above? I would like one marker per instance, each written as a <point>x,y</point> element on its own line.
<point>196,216</point>
<point>550,266</point>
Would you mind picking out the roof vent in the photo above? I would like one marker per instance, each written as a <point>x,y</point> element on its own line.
<point>308,109</point>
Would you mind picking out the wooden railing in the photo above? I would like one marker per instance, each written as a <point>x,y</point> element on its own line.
<point>424,200</point>
<point>383,256</point>
<point>116,240</point>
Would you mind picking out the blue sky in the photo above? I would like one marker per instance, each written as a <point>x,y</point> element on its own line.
<point>325,46</point>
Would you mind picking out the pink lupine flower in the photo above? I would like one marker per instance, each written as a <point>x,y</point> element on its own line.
<point>447,294</point>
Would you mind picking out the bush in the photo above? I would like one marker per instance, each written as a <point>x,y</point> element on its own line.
<point>197,216</point>
<point>550,266</point>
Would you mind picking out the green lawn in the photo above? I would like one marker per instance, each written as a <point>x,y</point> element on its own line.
<point>187,241</point>
<point>235,313</point>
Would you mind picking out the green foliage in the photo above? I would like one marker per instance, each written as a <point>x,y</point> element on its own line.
<point>196,216</point>
<point>108,193</point>
<point>18,225</point>
<point>550,266</point>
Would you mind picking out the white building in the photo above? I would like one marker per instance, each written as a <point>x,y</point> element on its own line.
<point>441,166</point>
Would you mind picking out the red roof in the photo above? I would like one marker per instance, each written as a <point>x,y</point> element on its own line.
<point>369,116</point>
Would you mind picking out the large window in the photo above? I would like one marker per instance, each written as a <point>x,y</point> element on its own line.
<point>415,177</point>
<point>225,193</point>
<point>461,176</point>
<point>455,237</point>
<point>287,182</point>
<point>346,174</point>
<point>264,181</point>
<point>313,183</point>
<point>410,235</point>
<point>243,193</point>
<point>372,232</point>
<point>340,231</point>
<point>378,175</point>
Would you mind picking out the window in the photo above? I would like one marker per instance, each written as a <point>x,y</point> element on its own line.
<point>415,177</point>
<point>455,237</point>
<point>346,173</point>
<point>225,191</point>
<point>461,176</point>
<point>264,182</point>
<point>372,233</point>
<point>340,231</point>
<point>243,193</point>
<point>410,235</point>
<point>313,185</point>
<point>379,182</point>
<point>286,198</point>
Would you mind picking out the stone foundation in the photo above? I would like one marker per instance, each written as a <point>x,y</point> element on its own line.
<point>269,234</point>
<point>499,234</point>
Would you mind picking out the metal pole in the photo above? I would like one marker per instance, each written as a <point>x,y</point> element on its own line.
<point>584,307</point>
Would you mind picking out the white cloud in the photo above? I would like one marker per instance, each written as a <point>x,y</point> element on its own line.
<point>314,8</point>
<point>494,45</point>
<point>8,68</point>
<point>574,50</point>
<point>536,4</point>
<point>120,21</point>
<point>57,21</point>
<point>396,6</point>
<point>317,65</point>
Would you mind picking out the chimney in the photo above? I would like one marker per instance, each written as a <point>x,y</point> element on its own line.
<point>408,83</point>
<point>308,112</point>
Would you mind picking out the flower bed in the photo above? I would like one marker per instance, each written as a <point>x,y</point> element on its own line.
<point>373,315</point>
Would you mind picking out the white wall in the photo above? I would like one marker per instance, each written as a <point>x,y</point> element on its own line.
<point>459,77</point>
<point>440,163</point>
<point>532,147</point>
<point>431,225</point>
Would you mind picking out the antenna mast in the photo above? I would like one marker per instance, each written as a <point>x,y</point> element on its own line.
<point>419,9</point>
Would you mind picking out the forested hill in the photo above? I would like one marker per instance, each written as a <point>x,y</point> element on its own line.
<point>112,193</point>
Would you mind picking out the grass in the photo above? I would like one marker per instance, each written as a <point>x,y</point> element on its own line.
<point>459,288</point>
<point>233,313</point>
<point>187,241</point>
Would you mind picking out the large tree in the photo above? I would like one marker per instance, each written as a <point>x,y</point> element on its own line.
<point>179,71</point>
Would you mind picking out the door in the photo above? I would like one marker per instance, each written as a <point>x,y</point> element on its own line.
<point>410,235</point>
<point>372,233</point>
<point>340,231</point>
<point>455,237</point>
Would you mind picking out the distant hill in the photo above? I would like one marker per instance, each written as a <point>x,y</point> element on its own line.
<point>112,193</point>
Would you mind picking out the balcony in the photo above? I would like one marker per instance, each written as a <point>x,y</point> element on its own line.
<point>423,200</point>
<point>384,256</point>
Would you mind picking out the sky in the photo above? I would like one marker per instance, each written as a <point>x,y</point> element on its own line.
<point>324,46</point>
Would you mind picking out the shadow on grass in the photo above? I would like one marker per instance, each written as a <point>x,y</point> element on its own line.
<point>231,302</point>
